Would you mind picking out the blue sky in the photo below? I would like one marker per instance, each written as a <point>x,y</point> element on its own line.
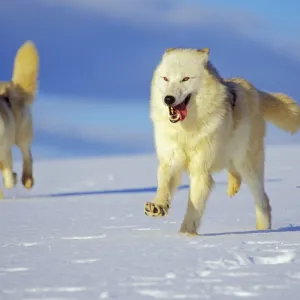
<point>282,16</point>
<point>97,57</point>
<point>270,10</point>
<point>88,47</point>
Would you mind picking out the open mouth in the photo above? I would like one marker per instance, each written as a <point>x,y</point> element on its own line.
<point>179,112</point>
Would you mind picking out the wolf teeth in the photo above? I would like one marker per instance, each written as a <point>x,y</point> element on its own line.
<point>172,111</point>
<point>174,117</point>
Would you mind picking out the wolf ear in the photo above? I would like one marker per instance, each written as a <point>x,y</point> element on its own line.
<point>169,50</point>
<point>204,51</point>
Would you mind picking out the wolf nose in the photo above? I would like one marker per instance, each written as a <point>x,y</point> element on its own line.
<point>169,100</point>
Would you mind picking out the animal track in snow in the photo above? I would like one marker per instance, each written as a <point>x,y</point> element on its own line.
<point>104,295</point>
<point>147,279</point>
<point>119,226</point>
<point>263,243</point>
<point>271,243</point>
<point>27,244</point>
<point>12,270</point>
<point>268,286</point>
<point>225,263</point>
<point>204,280</point>
<point>234,291</point>
<point>157,294</point>
<point>242,274</point>
<point>275,260</point>
<point>138,284</point>
<point>95,237</point>
<point>65,289</point>
<point>294,275</point>
<point>85,261</point>
<point>146,229</point>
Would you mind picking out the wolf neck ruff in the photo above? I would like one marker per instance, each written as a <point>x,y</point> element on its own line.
<point>179,112</point>
<point>5,99</point>
<point>233,99</point>
<point>232,94</point>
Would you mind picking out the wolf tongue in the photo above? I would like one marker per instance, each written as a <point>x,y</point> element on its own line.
<point>181,110</point>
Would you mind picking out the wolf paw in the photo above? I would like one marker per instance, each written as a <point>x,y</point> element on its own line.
<point>189,234</point>
<point>189,227</point>
<point>11,181</point>
<point>155,210</point>
<point>27,181</point>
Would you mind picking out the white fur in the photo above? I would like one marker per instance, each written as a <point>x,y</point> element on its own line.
<point>214,136</point>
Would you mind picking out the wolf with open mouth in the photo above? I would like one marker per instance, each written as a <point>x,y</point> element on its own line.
<point>178,87</point>
<point>179,112</point>
<point>203,124</point>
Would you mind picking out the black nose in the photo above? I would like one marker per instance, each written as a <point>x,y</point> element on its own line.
<point>169,100</point>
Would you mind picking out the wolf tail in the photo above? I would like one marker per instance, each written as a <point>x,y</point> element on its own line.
<point>281,110</point>
<point>26,69</point>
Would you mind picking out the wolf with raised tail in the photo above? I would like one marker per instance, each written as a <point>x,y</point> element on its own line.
<point>205,124</point>
<point>16,128</point>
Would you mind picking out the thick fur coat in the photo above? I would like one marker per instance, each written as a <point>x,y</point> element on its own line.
<point>204,124</point>
<point>16,128</point>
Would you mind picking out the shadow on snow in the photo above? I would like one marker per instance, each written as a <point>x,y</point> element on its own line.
<point>290,228</point>
<point>142,190</point>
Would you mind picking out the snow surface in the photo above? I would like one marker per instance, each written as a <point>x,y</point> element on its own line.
<point>81,233</point>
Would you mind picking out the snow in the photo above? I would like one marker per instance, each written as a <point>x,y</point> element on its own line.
<point>81,233</point>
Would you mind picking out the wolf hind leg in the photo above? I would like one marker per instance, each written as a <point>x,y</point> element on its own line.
<point>234,182</point>
<point>253,175</point>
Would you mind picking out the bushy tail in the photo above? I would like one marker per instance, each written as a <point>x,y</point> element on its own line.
<point>281,110</point>
<point>26,69</point>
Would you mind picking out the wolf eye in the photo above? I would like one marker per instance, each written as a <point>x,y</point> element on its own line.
<point>185,79</point>
<point>165,78</point>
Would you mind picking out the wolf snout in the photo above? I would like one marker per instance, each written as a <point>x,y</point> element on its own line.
<point>169,100</point>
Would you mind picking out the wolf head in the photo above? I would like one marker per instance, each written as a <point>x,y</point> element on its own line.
<point>178,78</point>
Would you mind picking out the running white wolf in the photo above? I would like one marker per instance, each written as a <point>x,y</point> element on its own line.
<point>205,124</point>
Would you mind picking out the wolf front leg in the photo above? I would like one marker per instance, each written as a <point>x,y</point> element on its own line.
<point>168,177</point>
<point>201,186</point>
